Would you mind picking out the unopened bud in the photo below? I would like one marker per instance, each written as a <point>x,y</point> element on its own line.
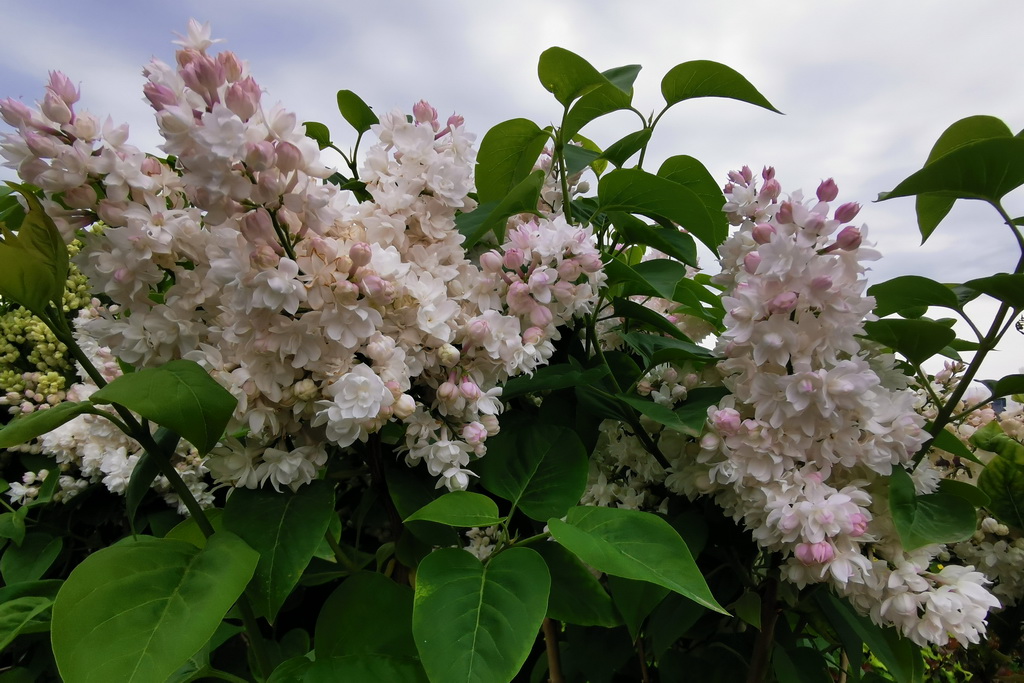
<point>847,212</point>
<point>849,238</point>
<point>490,423</point>
<point>231,65</point>
<point>243,98</point>
<point>61,86</point>
<point>289,158</point>
<point>784,215</point>
<point>404,406</point>
<point>469,389</point>
<point>514,258</point>
<point>81,197</point>
<point>360,253</point>
<point>455,120</point>
<point>815,223</point>
<point>751,261</point>
<point>259,156</point>
<point>448,355</point>
<point>783,303</point>
<point>533,336</point>
<point>541,316</point>
<point>491,261</point>
<point>771,190</point>
<point>827,191</point>
<point>56,109</point>
<point>762,233</point>
<point>422,112</point>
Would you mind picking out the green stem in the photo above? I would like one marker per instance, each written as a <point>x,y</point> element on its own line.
<point>282,236</point>
<point>533,539</point>
<point>762,655</point>
<point>563,171</point>
<point>252,630</point>
<point>339,553</point>
<point>210,672</point>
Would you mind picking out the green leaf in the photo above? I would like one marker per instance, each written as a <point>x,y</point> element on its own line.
<point>137,610</point>
<point>1007,386</point>
<point>285,529</point>
<point>633,545</point>
<point>671,241</point>
<point>799,665</point>
<point>477,623</point>
<point>12,526</point>
<point>578,158</point>
<point>659,413</point>
<point>459,508</point>
<point>523,198</point>
<point>901,293</point>
<point>30,560</point>
<point>991,438</point>
<point>603,100</point>
<point>657,277</point>
<point>24,428</point>
<point>631,310</point>
<point>551,378</point>
<point>702,78</point>
<point>985,169</point>
<point>507,155</point>
<point>1002,481</point>
<point>932,209</point>
<point>179,395</point>
<point>188,530</point>
<point>902,659</point>
<point>355,668</point>
<point>33,262</point>
<point>693,175</point>
<point>636,191</point>
<point>577,597</point>
<point>568,76</point>
<point>621,150</point>
<point>355,111</point>
<point>965,490</point>
<point>17,615</point>
<point>319,132</point>
<point>916,340</point>
<point>657,350</point>
<point>671,619</point>
<point>540,468</point>
<point>1006,287</point>
<point>145,471</point>
<point>635,600</point>
<point>367,614</point>
<point>932,518</point>
<point>951,443</point>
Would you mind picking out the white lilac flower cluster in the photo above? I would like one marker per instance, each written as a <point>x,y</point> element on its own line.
<point>322,317</point>
<point>800,449</point>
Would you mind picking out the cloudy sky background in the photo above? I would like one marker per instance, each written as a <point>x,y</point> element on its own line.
<point>866,86</point>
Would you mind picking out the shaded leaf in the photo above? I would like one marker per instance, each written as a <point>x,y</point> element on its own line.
<point>17,615</point>
<point>355,668</point>
<point>24,428</point>
<point>507,155</point>
<point>916,340</point>
<point>621,150</point>
<point>908,291</point>
<point>635,600</point>
<point>602,100</point>
<point>577,597</point>
<point>367,614</point>
<point>551,378</point>
<point>1006,287</point>
<point>318,132</point>
<point>670,241</point>
<point>693,175</point>
<point>459,508</point>
<point>630,309</point>
<point>33,262</point>
<point>568,76</point>
<point>657,350</point>
<point>30,560</point>
<point>1002,481</point>
<point>1007,386</point>
<point>179,395</point>
<point>491,217</point>
<point>950,443</point>
<point>355,111</point>
<point>932,518</point>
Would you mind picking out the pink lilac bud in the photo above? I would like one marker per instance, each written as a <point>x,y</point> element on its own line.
<point>533,336</point>
<point>670,375</point>
<point>56,109</point>
<point>691,380</point>
<point>449,356</point>
<point>243,98</point>
<point>43,146</point>
<point>159,96</point>
<point>710,442</point>
<point>849,238</point>
<point>360,253</point>
<point>590,262</point>
<point>15,113</point>
<point>377,289</point>
<point>478,330</point>
<point>770,191</point>
<point>762,233</point>
<point>491,262</point>
<point>821,283</point>
<point>519,299</point>
<point>455,121</point>
<point>112,213</point>
<point>404,406</point>
<point>768,173</point>
<point>541,316</point>
<point>469,390</point>
<point>514,258</point>
<point>783,303</point>
<point>859,524</point>
<point>264,257</point>
<point>727,421</point>
<point>448,392</point>
<point>231,64</point>
<point>751,261</point>
<point>81,197</point>
<point>827,191</point>
<point>474,433</point>
<point>62,87</point>
<point>785,213</point>
<point>815,553</point>
<point>151,167</point>
<point>258,227</point>
<point>644,388</point>
<point>847,212</point>
<point>259,156</point>
<point>490,423</point>
<point>422,112</point>
<point>289,158</point>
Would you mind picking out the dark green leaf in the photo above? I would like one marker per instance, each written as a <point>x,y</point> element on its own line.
<point>579,158</point>
<point>635,600</point>
<point>965,490</point>
<point>355,111</point>
<point>1006,287</point>
<point>1007,386</point>
<point>188,530</point>
<point>633,545</point>
<point>24,428</point>
<point>671,619</point>
<point>540,468</point>
<point>136,611</point>
<point>319,132</point>
<point>1002,481</point>
<point>551,378</point>
<point>477,623</point>
<point>623,77</point>
<point>657,350</point>
<point>985,169</point>
<point>950,443</point>
<point>799,665</point>
<point>633,311</point>
<point>568,76</point>
<point>17,615</point>
<point>692,174</point>
<point>916,340</point>
<point>621,150</point>
<point>459,508</point>
<point>901,293</point>
<point>355,668</point>
<point>285,528</point>
<point>146,470</point>
<point>659,413</point>
<point>367,614</point>
<point>603,100</point>
<point>12,526</point>
<point>507,155</point>
<point>636,191</point>
<point>991,438</point>
<point>30,560</point>
<point>577,597</point>
<point>932,518</point>
<point>33,262</point>
<point>694,412</point>
<point>179,395</point>
<point>702,78</point>
<point>650,278</point>
<point>523,198</point>
<point>670,241</point>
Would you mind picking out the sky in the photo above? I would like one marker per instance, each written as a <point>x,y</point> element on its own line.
<point>865,86</point>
